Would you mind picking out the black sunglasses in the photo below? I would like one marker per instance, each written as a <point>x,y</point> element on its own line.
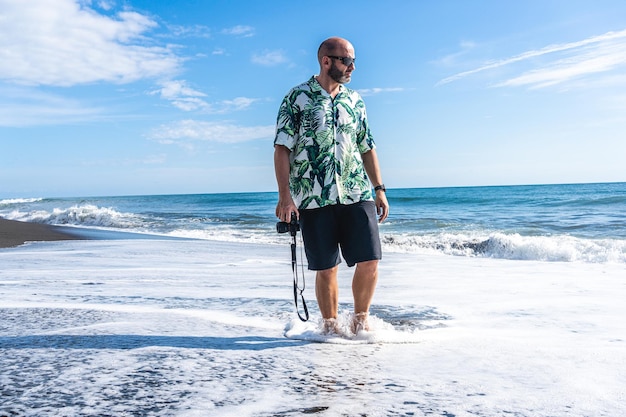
<point>345,60</point>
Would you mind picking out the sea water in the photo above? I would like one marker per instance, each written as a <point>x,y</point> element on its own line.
<point>573,222</point>
<point>491,301</point>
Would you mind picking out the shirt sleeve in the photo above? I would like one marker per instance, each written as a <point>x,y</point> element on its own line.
<point>286,132</point>
<point>365,140</point>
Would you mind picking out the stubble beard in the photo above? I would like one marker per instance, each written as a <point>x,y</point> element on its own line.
<point>337,75</point>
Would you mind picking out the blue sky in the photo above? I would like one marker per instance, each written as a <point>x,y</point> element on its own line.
<point>142,97</point>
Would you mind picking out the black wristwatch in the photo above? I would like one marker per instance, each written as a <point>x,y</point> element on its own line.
<point>380,187</point>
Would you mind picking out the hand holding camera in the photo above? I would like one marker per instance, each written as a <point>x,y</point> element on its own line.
<point>292,227</point>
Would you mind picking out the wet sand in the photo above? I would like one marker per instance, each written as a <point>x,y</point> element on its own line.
<point>14,233</point>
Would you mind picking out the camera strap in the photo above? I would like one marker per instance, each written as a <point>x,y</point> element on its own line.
<point>296,288</point>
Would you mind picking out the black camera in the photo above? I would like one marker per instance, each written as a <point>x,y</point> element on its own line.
<point>292,227</point>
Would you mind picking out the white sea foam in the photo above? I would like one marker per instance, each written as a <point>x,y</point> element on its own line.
<point>379,332</point>
<point>195,328</point>
<point>229,234</point>
<point>476,243</point>
<point>13,201</point>
<point>79,215</point>
<point>561,248</point>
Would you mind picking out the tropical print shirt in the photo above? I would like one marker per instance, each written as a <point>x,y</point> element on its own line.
<point>326,138</point>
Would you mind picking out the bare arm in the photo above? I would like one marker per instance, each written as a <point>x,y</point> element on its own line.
<point>285,205</point>
<point>370,162</point>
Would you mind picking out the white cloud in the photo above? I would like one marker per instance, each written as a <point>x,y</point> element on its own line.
<point>379,90</point>
<point>175,89</point>
<point>453,59</point>
<point>241,31</point>
<point>106,5</point>
<point>182,96</point>
<point>269,58</point>
<point>598,60</point>
<point>238,103</point>
<point>65,43</point>
<point>183,131</point>
<point>192,31</point>
<point>560,63</point>
<point>187,99</point>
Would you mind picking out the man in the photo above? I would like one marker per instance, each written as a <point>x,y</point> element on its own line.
<point>325,159</point>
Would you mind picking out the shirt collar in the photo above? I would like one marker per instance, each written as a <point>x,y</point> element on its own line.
<point>317,87</point>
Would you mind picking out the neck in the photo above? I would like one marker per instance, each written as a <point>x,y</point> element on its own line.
<point>331,86</point>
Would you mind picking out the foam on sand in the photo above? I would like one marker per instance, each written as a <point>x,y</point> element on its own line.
<point>196,328</point>
<point>379,332</point>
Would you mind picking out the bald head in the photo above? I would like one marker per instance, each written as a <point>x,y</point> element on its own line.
<point>335,46</point>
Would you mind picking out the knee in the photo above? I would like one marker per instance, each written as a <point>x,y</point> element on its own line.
<point>327,275</point>
<point>368,266</point>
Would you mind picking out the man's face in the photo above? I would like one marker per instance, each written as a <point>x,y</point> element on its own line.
<point>339,72</point>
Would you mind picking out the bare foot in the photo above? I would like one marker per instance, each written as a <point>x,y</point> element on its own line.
<point>330,327</point>
<point>359,322</point>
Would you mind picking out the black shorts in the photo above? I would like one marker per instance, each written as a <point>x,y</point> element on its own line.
<point>351,227</point>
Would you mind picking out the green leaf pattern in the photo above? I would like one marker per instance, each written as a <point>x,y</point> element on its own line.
<point>326,138</point>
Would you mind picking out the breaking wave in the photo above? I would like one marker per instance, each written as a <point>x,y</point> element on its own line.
<point>13,201</point>
<point>84,215</point>
<point>513,246</point>
<point>224,218</point>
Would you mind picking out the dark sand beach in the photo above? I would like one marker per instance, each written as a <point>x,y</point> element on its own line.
<point>14,233</point>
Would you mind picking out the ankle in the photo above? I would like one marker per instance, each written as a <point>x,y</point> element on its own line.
<point>360,322</point>
<point>330,326</point>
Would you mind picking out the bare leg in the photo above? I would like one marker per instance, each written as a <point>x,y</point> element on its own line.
<point>363,287</point>
<point>327,292</point>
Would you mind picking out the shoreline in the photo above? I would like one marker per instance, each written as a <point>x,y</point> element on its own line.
<point>15,233</point>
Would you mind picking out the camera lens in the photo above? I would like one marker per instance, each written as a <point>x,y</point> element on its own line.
<point>282,227</point>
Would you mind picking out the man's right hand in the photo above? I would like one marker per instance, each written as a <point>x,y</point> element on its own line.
<point>284,208</point>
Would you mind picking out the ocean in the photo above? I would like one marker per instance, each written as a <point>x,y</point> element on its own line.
<point>573,222</point>
<point>491,301</point>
